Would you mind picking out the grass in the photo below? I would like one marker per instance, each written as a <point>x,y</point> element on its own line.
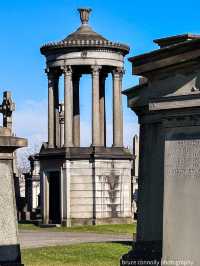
<point>100,229</point>
<point>98,254</point>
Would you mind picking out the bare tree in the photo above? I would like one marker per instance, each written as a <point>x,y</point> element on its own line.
<point>22,162</point>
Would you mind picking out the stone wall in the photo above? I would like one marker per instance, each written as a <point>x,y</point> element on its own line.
<point>91,191</point>
<point>100,189</point>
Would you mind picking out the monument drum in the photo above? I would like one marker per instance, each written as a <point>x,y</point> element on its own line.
<point>71,175</point>
<point>167,103</point>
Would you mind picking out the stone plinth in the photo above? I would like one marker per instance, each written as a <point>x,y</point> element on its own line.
<point>95,185</point>
<point>9,242</point>
<point>168,107</point>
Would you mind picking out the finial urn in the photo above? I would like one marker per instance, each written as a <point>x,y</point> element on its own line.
<point>84,15</point>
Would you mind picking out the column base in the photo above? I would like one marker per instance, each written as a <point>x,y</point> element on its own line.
<point>67,223</point>
<point>144,253</point>
<point>51,146</point>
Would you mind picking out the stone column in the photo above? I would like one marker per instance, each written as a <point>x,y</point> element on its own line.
<point>51,133</point>
<point>95,106</point>
<point>117,108</point>
<point>62,129</point>
<point>56,111</point>
<point>102,110</point>
<point>68,107</point>
<point>76,110</point>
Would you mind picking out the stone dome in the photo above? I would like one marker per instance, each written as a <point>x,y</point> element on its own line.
<point>84,37</point>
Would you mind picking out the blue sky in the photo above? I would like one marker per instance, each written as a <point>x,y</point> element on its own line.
<point>27,24</point>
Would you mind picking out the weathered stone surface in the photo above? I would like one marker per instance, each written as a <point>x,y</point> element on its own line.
<point>9,243</point>
<point>95,195</point>
<point>181,194</point>
<point>168,108</point>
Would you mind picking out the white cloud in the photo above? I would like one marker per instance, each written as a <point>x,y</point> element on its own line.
<point>30,121</point>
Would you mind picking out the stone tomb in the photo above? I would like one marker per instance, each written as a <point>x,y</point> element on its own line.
<point>168,107</point>
<point>84,185</point>
<point>9,243</point>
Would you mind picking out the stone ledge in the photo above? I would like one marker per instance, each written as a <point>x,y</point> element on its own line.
<point>91,153</point>
<point>100,221</point>
<point>12,143</point>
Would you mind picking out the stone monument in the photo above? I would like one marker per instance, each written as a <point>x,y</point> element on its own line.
<point>9,243</point>
<point>168,107</point>
<point>84,185</point>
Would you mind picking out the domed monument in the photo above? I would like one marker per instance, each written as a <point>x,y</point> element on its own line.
<point>84,185</point>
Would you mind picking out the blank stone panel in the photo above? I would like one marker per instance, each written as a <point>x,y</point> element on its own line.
<point>81,194</point>
<point>182,195</point>
<point>81,172</point>
<point>82,186</point>
<point>86,201</point>
<point>81,179</point>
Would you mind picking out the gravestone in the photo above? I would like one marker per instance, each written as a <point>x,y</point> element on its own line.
<point>168,108</point>
<point>9,243</point>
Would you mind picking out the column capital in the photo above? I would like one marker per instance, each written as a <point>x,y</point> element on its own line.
<point>67,70</point>
<point>96,69</point>
<point>53,72</point>
<point>118,72</point>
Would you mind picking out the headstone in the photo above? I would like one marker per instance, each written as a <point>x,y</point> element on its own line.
<point>9,242</point>
<point>168,107</point>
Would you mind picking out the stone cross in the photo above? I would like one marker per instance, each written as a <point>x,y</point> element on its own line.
<point>6,108</point>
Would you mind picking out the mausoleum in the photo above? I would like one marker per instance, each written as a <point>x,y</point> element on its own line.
<point>84,185</point>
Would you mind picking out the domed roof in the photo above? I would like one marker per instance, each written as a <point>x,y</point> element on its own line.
<point>84,33</point>
<point>83,37</point>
